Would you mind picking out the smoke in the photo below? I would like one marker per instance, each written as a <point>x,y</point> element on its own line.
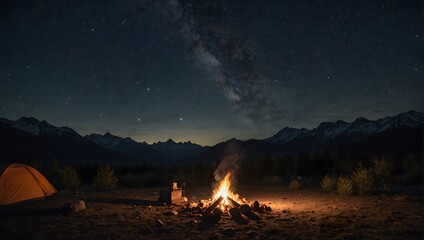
<point>229,163</point>
<point>227,57</point>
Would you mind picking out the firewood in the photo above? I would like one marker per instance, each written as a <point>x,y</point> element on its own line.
<point>210,219</point>
<point>213,205</point>
<point>244,208</point>
<point>236,215</point>
<point>247,211</point>
<point>232,202</point>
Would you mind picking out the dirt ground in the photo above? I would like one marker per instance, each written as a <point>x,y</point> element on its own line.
<point>299,214</point>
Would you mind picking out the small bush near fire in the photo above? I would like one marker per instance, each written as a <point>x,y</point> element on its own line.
<point>328,183</point>
<point>105,178</point>
<point>68,178</point>
<point>362,180</point>
<point>344,186</point>
<point>295,184</point>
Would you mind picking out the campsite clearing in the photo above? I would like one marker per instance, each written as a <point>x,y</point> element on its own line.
<point>134,213</point>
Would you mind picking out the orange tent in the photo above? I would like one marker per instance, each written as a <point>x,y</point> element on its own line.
<point>20,182</point>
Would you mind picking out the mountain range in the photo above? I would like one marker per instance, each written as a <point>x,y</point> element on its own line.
<point>360,127</point>
<point>28,138</point>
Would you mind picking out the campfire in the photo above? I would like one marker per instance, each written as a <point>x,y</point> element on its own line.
<point>225,203</point>
<point>223,197</point>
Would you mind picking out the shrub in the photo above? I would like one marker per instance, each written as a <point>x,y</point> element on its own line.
<point>328,183</point>
<point>105,178</point>
<point>344,186</point>
<point>362,180</point>
<point>295,184</point>
<point>68,178</point>
<point>382,172</point>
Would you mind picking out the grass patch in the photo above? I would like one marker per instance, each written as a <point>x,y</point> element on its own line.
<point>328,184</point>
<point>105,178</point>
<point>344,186</point>
<point>363,180</point>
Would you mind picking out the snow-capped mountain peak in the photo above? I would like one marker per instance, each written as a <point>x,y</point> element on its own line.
<point>40,128</point>
<point>287,134</point>
<point>361,126</point>
<point>106,140</point>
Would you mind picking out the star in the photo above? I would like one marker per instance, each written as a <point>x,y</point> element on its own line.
<point>181,118</point>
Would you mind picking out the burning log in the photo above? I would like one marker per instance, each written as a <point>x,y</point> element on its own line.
<point>232,202</point>
<point>213,205</point>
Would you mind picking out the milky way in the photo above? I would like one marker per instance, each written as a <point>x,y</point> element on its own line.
<point>232,63</point>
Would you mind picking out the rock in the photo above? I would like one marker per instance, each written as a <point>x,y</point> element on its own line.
<point>229,232</point>
<point>256,206</point>
<point>175,213</point>
<point>75,206</point>
<point>268,208</point>
<point>185,199</point>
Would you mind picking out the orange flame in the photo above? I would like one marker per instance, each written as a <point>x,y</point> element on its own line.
<point>224,190</point>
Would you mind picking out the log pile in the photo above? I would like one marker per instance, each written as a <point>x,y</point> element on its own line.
<point>212,212</point>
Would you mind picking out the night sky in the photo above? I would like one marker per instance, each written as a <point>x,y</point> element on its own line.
<point>207,71</point>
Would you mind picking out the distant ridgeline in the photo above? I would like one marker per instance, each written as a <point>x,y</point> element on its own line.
<point>332,146</point>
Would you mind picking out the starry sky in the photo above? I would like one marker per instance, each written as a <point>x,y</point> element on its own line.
<point>207,71</point>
